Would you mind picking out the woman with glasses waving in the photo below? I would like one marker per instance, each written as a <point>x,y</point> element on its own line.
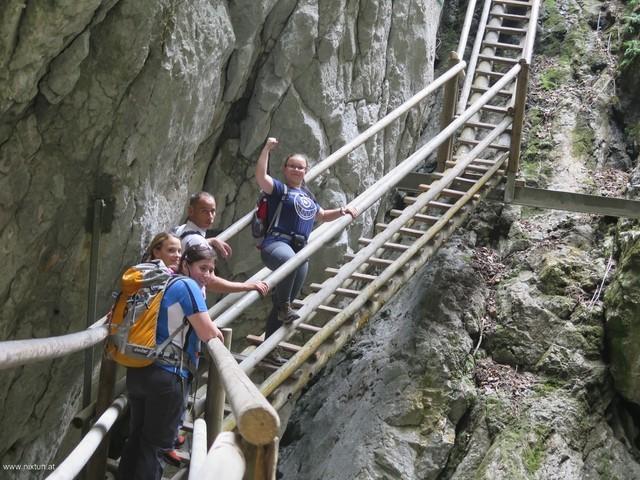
<point>292,212</point>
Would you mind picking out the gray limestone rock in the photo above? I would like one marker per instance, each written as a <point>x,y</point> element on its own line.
<point>142,103</point>
<point>623,318</point>
<point>389,406</point>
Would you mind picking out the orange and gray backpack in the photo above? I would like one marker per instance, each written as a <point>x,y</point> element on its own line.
<point>134,317</point>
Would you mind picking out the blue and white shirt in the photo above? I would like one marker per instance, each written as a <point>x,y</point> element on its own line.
<point>298,213</point>
<point>181,299</point>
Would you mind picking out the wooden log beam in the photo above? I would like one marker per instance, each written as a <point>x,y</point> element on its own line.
<point>257,420</point>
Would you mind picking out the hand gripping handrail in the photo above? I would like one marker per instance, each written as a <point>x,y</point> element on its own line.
<point>14,353</point>
<point>327,231</point>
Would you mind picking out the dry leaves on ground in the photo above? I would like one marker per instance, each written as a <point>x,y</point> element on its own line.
<point>494,378</point>
<point>611,182</point>
<point>487,263</point>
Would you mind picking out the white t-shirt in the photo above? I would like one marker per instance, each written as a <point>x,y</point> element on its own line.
<point>190,234</point>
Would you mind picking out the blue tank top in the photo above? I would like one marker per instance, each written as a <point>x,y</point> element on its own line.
<point>298,213</point>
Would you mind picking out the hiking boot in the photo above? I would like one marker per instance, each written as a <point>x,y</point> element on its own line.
<point>286,314</point>
<point>173,457</point>
<point>276,356</point>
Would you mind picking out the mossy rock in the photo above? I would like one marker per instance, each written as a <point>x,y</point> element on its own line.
<point>559,305</point>
<point>582,139</point>
<point>588,315</point>
<point>498,412</point>
<point>568,267</point>
<point>594,340</point>
<point>622,306</point>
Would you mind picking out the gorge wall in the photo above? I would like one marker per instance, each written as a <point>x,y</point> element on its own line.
<point>142,103</point>
<point>514,353</point>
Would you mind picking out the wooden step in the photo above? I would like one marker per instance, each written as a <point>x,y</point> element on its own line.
<point>257,340</point>
<point>448,192</point>
<point>358,275</point>
<point>373,260</point>
<point>398,247</point>
<point>418,217</point>
<point>496,109</point>
<point>347,292</point>
<point>322,308</point>
<point>495,58</point>
<point>504,93</point>
<point>477,168</point>
<point>505,46</point>
<point>411,232</point>
<point>433,203</point>
<point>511,16</point>
<point>308,327</point>
<point>482,161</point>
<point>488,73</point>
<point>513,3</point>
<point>486,126</point>
<point>512,30</point>
<point>495,146</point>
<point>466,181</point>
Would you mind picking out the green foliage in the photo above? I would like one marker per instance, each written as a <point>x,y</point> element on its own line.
<point>582,139</point>
<point>630,29</point>
<point>553,77</point>
<point>631,52</point>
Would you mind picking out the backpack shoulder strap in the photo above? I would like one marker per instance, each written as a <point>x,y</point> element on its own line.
<point>186,233</point>
<point>276,215</point>
<point>160,348</point>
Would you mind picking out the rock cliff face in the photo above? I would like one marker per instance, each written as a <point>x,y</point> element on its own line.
<point>503,359</point>
<point>141,103</point>
<point>410,401</point>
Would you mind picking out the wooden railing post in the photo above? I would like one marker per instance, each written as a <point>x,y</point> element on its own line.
<point>516,130</point>
<point>449,101</point>
<point>214,404</point>
<point>261,460</point>
<point>106,387</point>
<point>225,459</point>
<point>198,448</point>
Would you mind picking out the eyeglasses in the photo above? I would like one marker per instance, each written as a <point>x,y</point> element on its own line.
<point>296,167</point>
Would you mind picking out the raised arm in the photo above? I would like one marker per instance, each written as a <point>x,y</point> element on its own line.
<point>265,182</point>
